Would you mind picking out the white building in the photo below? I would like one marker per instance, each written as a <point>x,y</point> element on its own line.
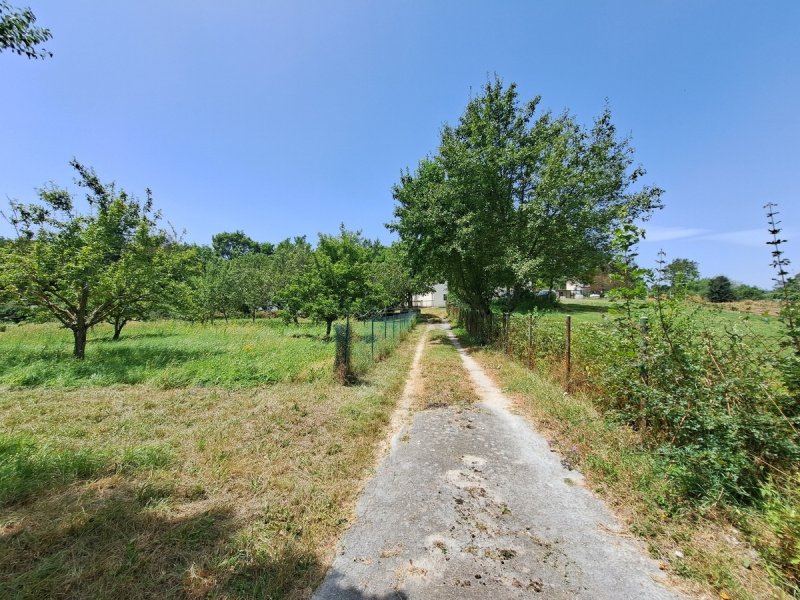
<point>574,289</point>
<point>435,299</point>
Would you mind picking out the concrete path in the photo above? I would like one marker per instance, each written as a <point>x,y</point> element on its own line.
<point>471,503</point>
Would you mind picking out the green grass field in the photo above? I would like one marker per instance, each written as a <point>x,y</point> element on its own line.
<point>181,461</point>
<point>166,354</point>
<point>594,310</point>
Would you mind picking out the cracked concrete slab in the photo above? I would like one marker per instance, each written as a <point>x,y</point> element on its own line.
<point>471,503</point>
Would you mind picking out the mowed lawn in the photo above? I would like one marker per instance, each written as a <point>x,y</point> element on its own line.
<point>166,354</point>
<point>181,461</point>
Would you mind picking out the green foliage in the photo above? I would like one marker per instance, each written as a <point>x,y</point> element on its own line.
<point>511,201</point>
<point>339,279</point>
<point>705,398</point>
<point>19,34</point>
<point>720,289</point>
<point>629,277</point>
<point>229,245</point>
<point>781,509</point>
<point>81,268</point>
<point>742,291</point>
<point>680,273</point>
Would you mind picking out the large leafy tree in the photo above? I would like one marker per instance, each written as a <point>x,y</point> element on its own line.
<point>255,283</point>
<point>19,34</point>
<point>514,201</point>
<point>338,280</point>
<point>681,273</point>
<point>82,267</point>
<point>237,243</point>
<point>290,262</point>
<point>392,273</point>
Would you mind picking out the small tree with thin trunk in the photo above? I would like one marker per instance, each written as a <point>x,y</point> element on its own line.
<point>84,267</point>
<point>338,281</point>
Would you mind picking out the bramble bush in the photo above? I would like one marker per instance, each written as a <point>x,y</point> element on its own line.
<point>710,401</point>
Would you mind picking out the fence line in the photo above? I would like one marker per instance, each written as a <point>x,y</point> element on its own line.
<point>536,340</point>
<point>362,342</point>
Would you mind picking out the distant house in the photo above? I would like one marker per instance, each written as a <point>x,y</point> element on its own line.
<point>574,289</point>
<point>435,299</point>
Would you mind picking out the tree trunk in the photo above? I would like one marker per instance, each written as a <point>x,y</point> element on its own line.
<point>328,322</point>
<point>79,333</point>
<point>119,323</point>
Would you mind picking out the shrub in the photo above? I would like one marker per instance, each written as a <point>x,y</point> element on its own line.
<point>720,289</point>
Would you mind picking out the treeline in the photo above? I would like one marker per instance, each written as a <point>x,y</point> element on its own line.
<point>113,262</point>
<point>681,276</point>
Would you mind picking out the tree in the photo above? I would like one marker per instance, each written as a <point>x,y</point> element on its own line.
<point>82,268</point>
<point>338,281</point>
<point>19,34</point>
<point>393,276</point>
<point>253,279</point>
<point>291,260</point>
<point>231,245</point>
<point>742,291</point>
<point>161,291</point>
<point>680,273</point>
<point>509,202</point>
<point>720,289</point>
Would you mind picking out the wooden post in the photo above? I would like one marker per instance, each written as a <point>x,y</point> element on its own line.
<point>372,339</point>
<point>568,353</point>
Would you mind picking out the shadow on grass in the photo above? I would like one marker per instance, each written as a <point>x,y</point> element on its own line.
<point>429,318</point>
<point>118,542</point>
<point>581,308</point>
<point>105,363</point>
<point>132,336</point>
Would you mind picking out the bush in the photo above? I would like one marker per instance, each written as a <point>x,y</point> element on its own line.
<point>781,510</point>
<point>720,289</point>
<point>711,403</point>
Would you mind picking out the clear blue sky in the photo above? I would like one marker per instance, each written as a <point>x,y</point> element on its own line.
<point>286,118</point>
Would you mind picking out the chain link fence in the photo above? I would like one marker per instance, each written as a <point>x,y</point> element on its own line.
<point>360,343</point>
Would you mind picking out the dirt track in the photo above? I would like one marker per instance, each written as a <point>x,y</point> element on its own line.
<point>471,503</point>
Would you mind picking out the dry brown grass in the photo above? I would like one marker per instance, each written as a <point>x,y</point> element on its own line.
<point>245,499</point>
<point>706,555</point>
<point>762,308</point>
<point>443,380</point>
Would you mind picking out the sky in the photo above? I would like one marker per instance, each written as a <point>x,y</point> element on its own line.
<point>289,118</point>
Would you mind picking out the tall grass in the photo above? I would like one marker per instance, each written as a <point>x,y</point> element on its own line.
<point>167,354</point>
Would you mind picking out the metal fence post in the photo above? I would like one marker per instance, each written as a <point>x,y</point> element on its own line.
<point>349,339</point>
<point>372,338</point>
<point>568,353</point>
<point>644,329</point>
<point>530,341</point>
